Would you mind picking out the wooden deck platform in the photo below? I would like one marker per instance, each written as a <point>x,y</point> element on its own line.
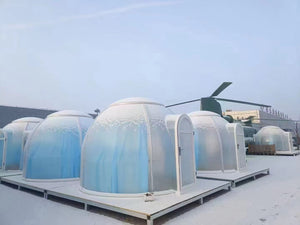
<point>5,173</point>
<point>233,177</point>
<point>288,153</point>
<point>133,206</point>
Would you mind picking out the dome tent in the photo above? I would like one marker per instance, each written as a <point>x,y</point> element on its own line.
<point>130,149</point>
<point>53,150</point>
<point>12,141</point>
<point>272,135</point>
<point>218,147</point>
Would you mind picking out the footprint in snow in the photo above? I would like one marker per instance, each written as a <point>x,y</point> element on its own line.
<point>263,219</point>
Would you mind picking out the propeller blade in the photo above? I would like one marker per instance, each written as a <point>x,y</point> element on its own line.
<point>241,102</point>
<point>220,88</point>
<point>181,103</point>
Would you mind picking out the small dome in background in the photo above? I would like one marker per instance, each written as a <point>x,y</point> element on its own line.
<point>14,133</point>
<point>272,135</point>
<point>53,150</point>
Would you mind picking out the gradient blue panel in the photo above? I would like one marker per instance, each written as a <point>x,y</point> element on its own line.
<point>116,158</point>
<point>84,124</point>
<point>14,133</point>
<point>54,150</point>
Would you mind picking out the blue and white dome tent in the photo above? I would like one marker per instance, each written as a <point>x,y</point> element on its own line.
<point>130,150</point>
<point>11,141</point>
<point>219,146</point>
<point>53,150</point>
<point>272,135</point>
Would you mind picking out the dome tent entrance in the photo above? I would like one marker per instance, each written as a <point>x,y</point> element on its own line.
<point>219,146</point>
<point>53,150</point>
<point>130,150</point>
<point>13,134</point>
<point>182,128</point>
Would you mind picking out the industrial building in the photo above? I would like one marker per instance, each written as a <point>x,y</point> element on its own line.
<point>10,113</point>
<point>262,118</point>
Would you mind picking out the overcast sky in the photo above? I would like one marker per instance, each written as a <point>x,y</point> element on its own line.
<point>83,54</point>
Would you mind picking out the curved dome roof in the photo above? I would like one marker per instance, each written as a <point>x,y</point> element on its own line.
<point>28,119</point>
<point>135,100</point>
<point>128,149</point>
<point>270,129</point>
<point>69,113</point>
<point>203,113</point>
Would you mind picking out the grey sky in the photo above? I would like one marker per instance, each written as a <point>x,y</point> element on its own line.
<point>87,54</point>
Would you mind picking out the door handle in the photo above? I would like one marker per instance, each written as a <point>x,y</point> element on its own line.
<point>180,150</point>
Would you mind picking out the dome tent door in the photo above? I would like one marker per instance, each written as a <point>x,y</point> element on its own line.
<point>181,127</point>
<point>186,150</point>
<point>236,130</point>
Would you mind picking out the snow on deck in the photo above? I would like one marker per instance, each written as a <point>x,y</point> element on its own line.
<point>272,199</point>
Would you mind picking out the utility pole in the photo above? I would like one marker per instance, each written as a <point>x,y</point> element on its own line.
<point>297,136</point>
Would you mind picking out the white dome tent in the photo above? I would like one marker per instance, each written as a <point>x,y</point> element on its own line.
<point>272,135</point>
<point>219,145</point>
<point>53,150</point>
<point>12,139</point>
<point>131,149</point>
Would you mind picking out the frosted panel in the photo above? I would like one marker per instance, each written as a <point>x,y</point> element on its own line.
<point>115,158</point>
<point>214,145</point>
<point>53,151</point>
<point>14,134</point>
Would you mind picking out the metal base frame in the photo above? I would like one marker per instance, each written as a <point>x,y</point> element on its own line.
<point>234,177</point>
<point>288,153</point>
<point>135,207</point>
<point>6,173</point>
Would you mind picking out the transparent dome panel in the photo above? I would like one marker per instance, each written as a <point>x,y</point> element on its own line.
<point>84,124</point>
<point>207,144</point>
<point>14,134</point>
<point>54,150</point>
<point>207,150</point>
<point>228,146</point>
<point>115,159</point>
<point>163,157</point>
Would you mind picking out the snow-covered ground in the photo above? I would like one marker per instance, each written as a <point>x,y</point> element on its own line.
<point>272,199</point>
